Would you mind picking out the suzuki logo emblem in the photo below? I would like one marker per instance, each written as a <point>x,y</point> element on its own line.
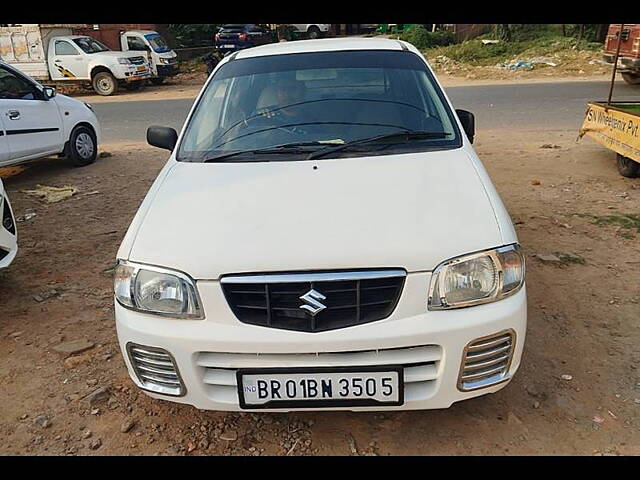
<point>311,302</point>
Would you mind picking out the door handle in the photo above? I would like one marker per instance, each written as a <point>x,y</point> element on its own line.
<point>13,114</point>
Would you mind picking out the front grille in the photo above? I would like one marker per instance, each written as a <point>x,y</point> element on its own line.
<point>314,302</point>
<point>7,218</point>
<point>137,60</point>
<point>486,361</point>
<point>420,364</point>
<point>156,370</point>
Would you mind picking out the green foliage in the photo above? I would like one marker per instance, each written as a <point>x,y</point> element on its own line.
<point>476,53</point>
<point>421,38</point>
<point>193,34</point>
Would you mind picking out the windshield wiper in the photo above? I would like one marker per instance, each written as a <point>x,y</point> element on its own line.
<point>285,148</point>
<point>403,136</point>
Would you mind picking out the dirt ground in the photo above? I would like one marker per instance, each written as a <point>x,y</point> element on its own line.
<point>577,390</point>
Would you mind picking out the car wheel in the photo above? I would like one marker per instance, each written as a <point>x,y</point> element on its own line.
<point>82,148</point>
<point>104,84</point>
<point>627,167</point>
<point>313,32</point>
<point>631,78</point>
<point>158,80</point>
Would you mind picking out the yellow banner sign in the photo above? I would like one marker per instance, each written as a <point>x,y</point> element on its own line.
<point>614,128</point>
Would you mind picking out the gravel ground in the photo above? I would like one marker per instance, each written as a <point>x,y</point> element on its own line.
<point>577,390</point>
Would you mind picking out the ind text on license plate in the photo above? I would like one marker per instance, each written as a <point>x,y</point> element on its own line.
<point>320,387</point>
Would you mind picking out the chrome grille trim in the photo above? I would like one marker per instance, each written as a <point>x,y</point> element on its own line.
<point>486,361</point>
<point>313,277</point>
<point>156,370</point>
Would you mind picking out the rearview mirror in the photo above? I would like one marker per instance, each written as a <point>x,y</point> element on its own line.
<point>49,92</point>
<point>468,122</point>
<point>162,137</point>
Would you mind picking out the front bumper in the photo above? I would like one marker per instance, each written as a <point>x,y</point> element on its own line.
<point>135,73</point>
<point>167,70</point>
<point>8,240</point>
<point>207,353</point>
<point>623,62</point>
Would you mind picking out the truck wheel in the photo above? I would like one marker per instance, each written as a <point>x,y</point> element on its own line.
<point>82,147</point>
<point>104,84</point>
<point>631,78</point>
<point>158,80</point>
<point>627,167</point>
<point>313,32</point>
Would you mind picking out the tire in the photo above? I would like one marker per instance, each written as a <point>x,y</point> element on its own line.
<point>313,32</point>
<point>627,167</point>
<point>82,148</point>
<point>631,78</point>
<point>105,84</point>
<point>158,80</point>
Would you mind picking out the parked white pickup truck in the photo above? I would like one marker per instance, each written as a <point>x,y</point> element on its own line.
<point>163,61</point>
<point>54,55</point>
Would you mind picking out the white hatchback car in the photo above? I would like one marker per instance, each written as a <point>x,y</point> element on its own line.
<point>8,233</point>
<point>322,236</point>
<point>35,122</point>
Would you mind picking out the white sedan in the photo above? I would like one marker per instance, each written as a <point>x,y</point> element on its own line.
<point>8,234</point>
<point>35,122</point>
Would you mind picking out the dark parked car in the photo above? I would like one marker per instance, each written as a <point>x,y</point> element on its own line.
<point>236,37</point>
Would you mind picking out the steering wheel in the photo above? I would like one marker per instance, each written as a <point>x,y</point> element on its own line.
<point>267,116</point>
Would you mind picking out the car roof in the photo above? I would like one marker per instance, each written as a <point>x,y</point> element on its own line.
<point>142,32</point>
<point>323,45</point>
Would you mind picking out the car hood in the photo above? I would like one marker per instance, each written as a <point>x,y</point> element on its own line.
<point>411,211</point>
<point>119,54</point>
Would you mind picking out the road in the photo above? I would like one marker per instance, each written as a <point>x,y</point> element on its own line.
<point>555,106</point>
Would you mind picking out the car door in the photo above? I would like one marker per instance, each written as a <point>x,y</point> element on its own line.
<point>32,124</point>
<point>66,61</point>
<point>4,143</point>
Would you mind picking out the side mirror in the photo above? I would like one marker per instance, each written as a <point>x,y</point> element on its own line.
<point>49,92</point>
<point>468,123</point>
<point>162,137</point>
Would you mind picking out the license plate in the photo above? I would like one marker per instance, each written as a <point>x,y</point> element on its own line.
<point>141,69</point>
<point>320,387</point>
<point>228,46</point>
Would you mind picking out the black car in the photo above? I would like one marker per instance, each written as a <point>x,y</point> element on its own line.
<point>231,38</point>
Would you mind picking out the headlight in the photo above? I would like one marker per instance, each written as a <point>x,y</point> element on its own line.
<point>165,61</point>
<point>124,61</point>
<point>477,278</point>
<point>156,290</point>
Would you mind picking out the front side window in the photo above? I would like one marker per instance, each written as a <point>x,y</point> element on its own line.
<point>65,48</point>
<point>14,87</point>
<point>90,45</point>
<point>136,44</point>
<point>317,101</point>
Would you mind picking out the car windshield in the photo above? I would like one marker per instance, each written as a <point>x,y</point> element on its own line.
<point>314,101</point>
<point>90,45</point>
<point>157,43</point>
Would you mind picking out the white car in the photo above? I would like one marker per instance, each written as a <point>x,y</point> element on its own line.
<point>8,233</point>
<point>323,236</point>
<point>35,122</point>
<point>312,30</point>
